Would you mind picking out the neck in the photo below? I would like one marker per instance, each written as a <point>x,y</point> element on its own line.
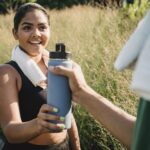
<point>38,58</point>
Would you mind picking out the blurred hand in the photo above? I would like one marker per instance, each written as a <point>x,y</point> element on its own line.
<point>45,117</point>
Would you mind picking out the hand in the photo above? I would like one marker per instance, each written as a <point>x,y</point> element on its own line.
<point>76,78</point>
<point>44,119</point>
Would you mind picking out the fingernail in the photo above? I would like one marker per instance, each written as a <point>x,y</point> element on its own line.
<point>55,109</point>
<point>62,118</point>
<point>62,127</point>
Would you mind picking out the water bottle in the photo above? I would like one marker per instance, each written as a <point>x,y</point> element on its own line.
<point>59,93</point>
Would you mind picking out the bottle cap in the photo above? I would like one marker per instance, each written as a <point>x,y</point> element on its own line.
<point>60,52</point>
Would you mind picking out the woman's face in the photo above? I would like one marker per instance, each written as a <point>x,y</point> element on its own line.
<point>33,32</point>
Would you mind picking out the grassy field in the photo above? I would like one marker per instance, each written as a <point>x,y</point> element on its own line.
<point>94,36</point>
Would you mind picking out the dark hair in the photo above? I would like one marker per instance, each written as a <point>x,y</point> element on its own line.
<point>24,9</point>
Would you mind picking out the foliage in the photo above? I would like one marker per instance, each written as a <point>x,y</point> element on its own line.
<point>59,4</point>
<point>133,6</point>
<point>108,3</point>
<point>94,137</point>
<point>138,8</point>
<point>9,5</point>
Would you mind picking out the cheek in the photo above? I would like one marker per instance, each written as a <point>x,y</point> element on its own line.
<point>47,34</point>
<point>23,36</point>
<point>46,37</point>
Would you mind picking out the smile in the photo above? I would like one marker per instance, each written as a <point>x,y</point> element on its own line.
<point>35,42</point>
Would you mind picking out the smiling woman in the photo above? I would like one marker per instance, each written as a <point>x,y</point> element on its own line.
<point>33,32</point>
<point>24,114</point>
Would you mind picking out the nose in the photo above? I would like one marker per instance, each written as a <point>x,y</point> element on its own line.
<point>36,33</point>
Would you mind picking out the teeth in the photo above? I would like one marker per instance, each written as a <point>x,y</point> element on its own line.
<point>35,42</point>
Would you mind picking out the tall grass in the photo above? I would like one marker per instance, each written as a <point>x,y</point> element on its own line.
<point>94,36</point>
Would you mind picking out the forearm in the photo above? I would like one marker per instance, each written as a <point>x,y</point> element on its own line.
<point>74,136</point>
<point>117,121</point>
<point>21,132</point>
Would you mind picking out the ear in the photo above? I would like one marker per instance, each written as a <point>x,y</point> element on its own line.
<point>15,34</point>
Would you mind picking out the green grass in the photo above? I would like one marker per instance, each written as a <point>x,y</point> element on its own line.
<point>94,36</point>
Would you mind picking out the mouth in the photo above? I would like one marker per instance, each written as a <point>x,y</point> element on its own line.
<point>35,42</point>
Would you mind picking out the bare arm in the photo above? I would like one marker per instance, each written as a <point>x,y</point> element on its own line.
<point>117,121</point>
<point>14,129</point>
<point>74,136</point>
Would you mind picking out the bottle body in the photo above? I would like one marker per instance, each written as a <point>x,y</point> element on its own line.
<point>59,93</point>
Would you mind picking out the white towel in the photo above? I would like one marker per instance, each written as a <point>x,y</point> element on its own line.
<point>133,47</point>
<point>28,66</point>
<point>141,75</point>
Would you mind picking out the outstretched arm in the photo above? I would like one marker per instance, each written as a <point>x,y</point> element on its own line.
<point>117,121</point>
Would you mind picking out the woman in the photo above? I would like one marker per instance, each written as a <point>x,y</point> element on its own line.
<point>24,116</point>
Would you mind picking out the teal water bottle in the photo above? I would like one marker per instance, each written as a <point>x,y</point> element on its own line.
<point>59,93</point>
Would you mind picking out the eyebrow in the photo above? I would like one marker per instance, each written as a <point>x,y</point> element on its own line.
<point>27,23</point>
<point>31,24</point>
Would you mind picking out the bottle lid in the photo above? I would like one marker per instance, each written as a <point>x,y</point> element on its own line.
<point>60,52</point>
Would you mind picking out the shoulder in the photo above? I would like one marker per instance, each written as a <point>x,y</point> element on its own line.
<point>9,74</point>
<point>6,69</point>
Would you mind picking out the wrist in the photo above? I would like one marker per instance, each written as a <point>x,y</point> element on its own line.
<point>81,94</point>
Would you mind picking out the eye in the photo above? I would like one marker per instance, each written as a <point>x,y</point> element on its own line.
<point>43,27</point>
<point>27,28</point>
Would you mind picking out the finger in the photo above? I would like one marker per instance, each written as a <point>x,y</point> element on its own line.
<point>55,127</point>
<point>61,70</point>
<point>48,108</point>
<point>50,117</point>
<point>52,127</point>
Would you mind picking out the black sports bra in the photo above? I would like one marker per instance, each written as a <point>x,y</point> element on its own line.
<point>30,97</point>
